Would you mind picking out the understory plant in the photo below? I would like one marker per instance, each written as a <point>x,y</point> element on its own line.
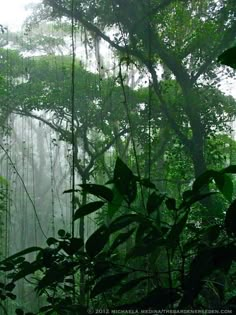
<point>150,252</point>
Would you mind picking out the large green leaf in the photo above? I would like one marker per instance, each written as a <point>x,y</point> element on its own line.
<point>203,180</point>
<point>222,181</point>
<point>154,202</point>
<point>21,253</point>
<point>97,241</point>
<point>207,261</point>
<point>145,247</point>
<point>224,184</point>
<point>125,181</point>
<point>176,230</point>
<point>131,285</point>
<point>87,209</point>
<point>98,191</point>
<point>228,57</point>
<point>190,197</point>
<point>230,219</point>
<point>124,220</point>
<point>231,169</point>
<point>121,238</point>
<point>72,246</point>
<point>116,203</point>
<point>107,283</point>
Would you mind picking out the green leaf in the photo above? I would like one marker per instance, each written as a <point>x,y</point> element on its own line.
<point>101,267</point>
<point>21,253</point>
<point>176,230</point>
<point>123,221</point>
<point>230,219</point>
<point>87,209</point>
<point>61,233</point>
<point>222,180</point>
<point>74,245</point>
<point>206,261</point>
<point>228,57</point>
<point>107,283</point>
<point>224,184</point>
<point>27,269</point>
<point>146,183</point>
<point>125,181</point>
<point>116,203</point>
<point>51,241</point>
<point>154,202</point>
<point>10,286</point>
<point>69,191</point>
<point>145,248</point>
<point>212,232</point>
<point>97,241</point>
<point>131,284</point>
<point>171,204</point>
<point>98,191</point>
<point>195,196</point>
<point>121,238</point>
<point>11,295</point>
<point>203,180</point>
<point>230,169</point>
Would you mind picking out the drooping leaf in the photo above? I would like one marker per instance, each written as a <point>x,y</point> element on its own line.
<point>97,241</point>
<point>212,232</point>
<point>222,180</point>
<point>10,286</point>
<point>98,191</point>
<point>146,183</point>
<point>154,202</point>
<point>203,180</point>
<point>101,267</point>
<point>230,219</point>
<point>131,285</point>
<point>171,204</point>
<point>192,197</point>
<point>55,275</point>
<point>158,298</point>
<point>21,253</point>
<point>123,221</point>
<point>107,283</point>
<point>87,209</point>
<point>11,295</point>
<point>224,184</point>
<point>176,230</point>
<point>231,169</point>
<point>144,248</point>
<point>207,260</point>
<point>27,269</point>
<point>143,228</point>
<point>121,238</point>
<point>116,203</point>
<point>228,57</point>
<point>51,241</point>
<point>69,191</point>
<point>125,181</point>
<point>73,246</point>
<point>76,244</point>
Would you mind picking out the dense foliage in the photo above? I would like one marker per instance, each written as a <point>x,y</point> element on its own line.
<point>146,254</point>
<point>165,232</point>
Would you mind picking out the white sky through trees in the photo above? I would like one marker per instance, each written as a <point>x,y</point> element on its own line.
<point>14,12</point>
